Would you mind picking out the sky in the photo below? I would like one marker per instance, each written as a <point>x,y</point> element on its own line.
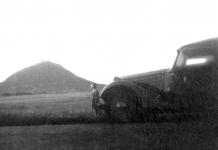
<point>99,39</point>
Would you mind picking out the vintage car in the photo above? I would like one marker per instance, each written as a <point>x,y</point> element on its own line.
<point>189,87</point>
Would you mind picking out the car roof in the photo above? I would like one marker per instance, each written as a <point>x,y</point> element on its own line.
<point>205,44</point>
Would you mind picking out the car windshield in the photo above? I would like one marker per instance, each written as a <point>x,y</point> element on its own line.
<point>180,60</point>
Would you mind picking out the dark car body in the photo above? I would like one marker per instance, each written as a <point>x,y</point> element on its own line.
<point>191,84</point>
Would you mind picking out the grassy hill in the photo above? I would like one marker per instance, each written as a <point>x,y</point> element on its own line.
<point>44,78</point>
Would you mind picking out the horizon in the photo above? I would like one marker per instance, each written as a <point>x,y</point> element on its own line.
<point>98,40</point>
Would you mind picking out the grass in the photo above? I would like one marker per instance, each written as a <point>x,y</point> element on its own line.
<point>46,109</point>
<point>74,109</point>
<point>151,136</point>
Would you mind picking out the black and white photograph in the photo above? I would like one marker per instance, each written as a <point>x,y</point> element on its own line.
<point>109,75</point>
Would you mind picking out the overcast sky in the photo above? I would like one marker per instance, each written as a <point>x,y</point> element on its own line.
<point>99,39</point>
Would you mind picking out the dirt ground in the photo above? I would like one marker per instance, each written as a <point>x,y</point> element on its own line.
<point>148,136</point>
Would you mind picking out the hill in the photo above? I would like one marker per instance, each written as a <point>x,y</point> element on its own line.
<point>43,78</point>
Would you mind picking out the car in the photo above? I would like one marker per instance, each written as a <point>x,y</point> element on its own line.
<point>189,87</point>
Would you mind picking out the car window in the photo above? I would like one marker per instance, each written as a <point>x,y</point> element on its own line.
<point>198,60</point>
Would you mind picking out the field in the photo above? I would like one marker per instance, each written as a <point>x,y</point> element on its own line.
<point>46,109</point>
<point>148,136</point>
<point>66,122</point>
